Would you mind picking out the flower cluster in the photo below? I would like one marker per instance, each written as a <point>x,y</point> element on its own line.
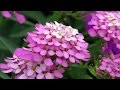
<point>19,17</point>
<point>105,24</point>
<point>62,42</point>
<point>51,48</point>
<point>111,65</point>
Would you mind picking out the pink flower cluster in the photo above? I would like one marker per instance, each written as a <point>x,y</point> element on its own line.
<point>26,64</point>
<point>62,42</point>
<point>111,65</point>
<point>105,24</point>
<point>19,17</point>
<point>51,48</point>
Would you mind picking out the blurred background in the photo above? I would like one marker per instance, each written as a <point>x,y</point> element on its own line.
<point>12,34</point>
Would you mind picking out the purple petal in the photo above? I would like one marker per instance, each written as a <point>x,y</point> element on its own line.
<point>6,14</point>
<point>20,18</point>
<point>48,62</point>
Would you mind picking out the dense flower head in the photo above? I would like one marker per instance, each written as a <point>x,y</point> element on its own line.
<point>109,47</point>
<point>62,43</point>
<point>111,65</point>
<point>105,24</point>
<point>26,64</point>
<point>19,17</point>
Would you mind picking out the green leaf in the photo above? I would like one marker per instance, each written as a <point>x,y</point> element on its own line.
<point>92,70</point>
<point>8,44</point>
<point>77,14</point>
<point>55,17</point>
<point>22,33</point>
<point>2,46</point>
<point>95,48</point>
<point>35,15</point>
<point>4,76</point>
<point>78,72</point>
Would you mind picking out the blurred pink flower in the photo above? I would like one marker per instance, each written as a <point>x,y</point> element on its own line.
<point>105,24</point>
<point>111,65</point>
<point>19,17</point>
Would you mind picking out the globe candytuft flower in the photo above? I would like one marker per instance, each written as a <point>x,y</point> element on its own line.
<point>24,65</point>
<point>19,17</point>
<point>111,65</point>
<point>105,24</point>
<point>59,41</point>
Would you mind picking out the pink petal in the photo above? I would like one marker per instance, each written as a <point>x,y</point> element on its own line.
<point>64,45</point>
<point>92,32</point>
<point>48,36</point>
<point>108,69</point>
<point>56,43</point>
<point>50,43</point>
<point>43,67</point>
<point>49,76</point>
<point>30,72</point>
<point>38,69</point>
<point>48,62</point>
<point>46,31</point>
<point>37,57</point>
<point>101,33</point>
<point>71,52</point>
<point>79,56</point>
<point>117,75</point>
<point>17,71</point>
<point>112,74</point>
<point>40,76</point>
<point>106,38</point>
<point>12,65</point>
<point>59,61</point>
<point>21,62</point>
<point>29,64</point>
<point>64,63</point>
<point>77,47</point>
<point>20,18</point>
<point>4,66</point>
<point>72,59</point>
<point>102,67</point>
<point>51,52</point>
<point>36,49</point>
<point>43,41</point>
<point>31,45</point>
<point>118,37</point>
<point>6,14</point>
<point>103,27</point>
<point>23,76</point>
<point>100,16</point>
<point>7,71</point>
<point>118,46</point>
<point>65,54</point>
<point>43,52</point>
<point>59,53</point>
<point>33,75</point>
<point>58,74</point>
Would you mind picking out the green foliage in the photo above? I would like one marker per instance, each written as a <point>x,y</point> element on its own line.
<point>4,76</point>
